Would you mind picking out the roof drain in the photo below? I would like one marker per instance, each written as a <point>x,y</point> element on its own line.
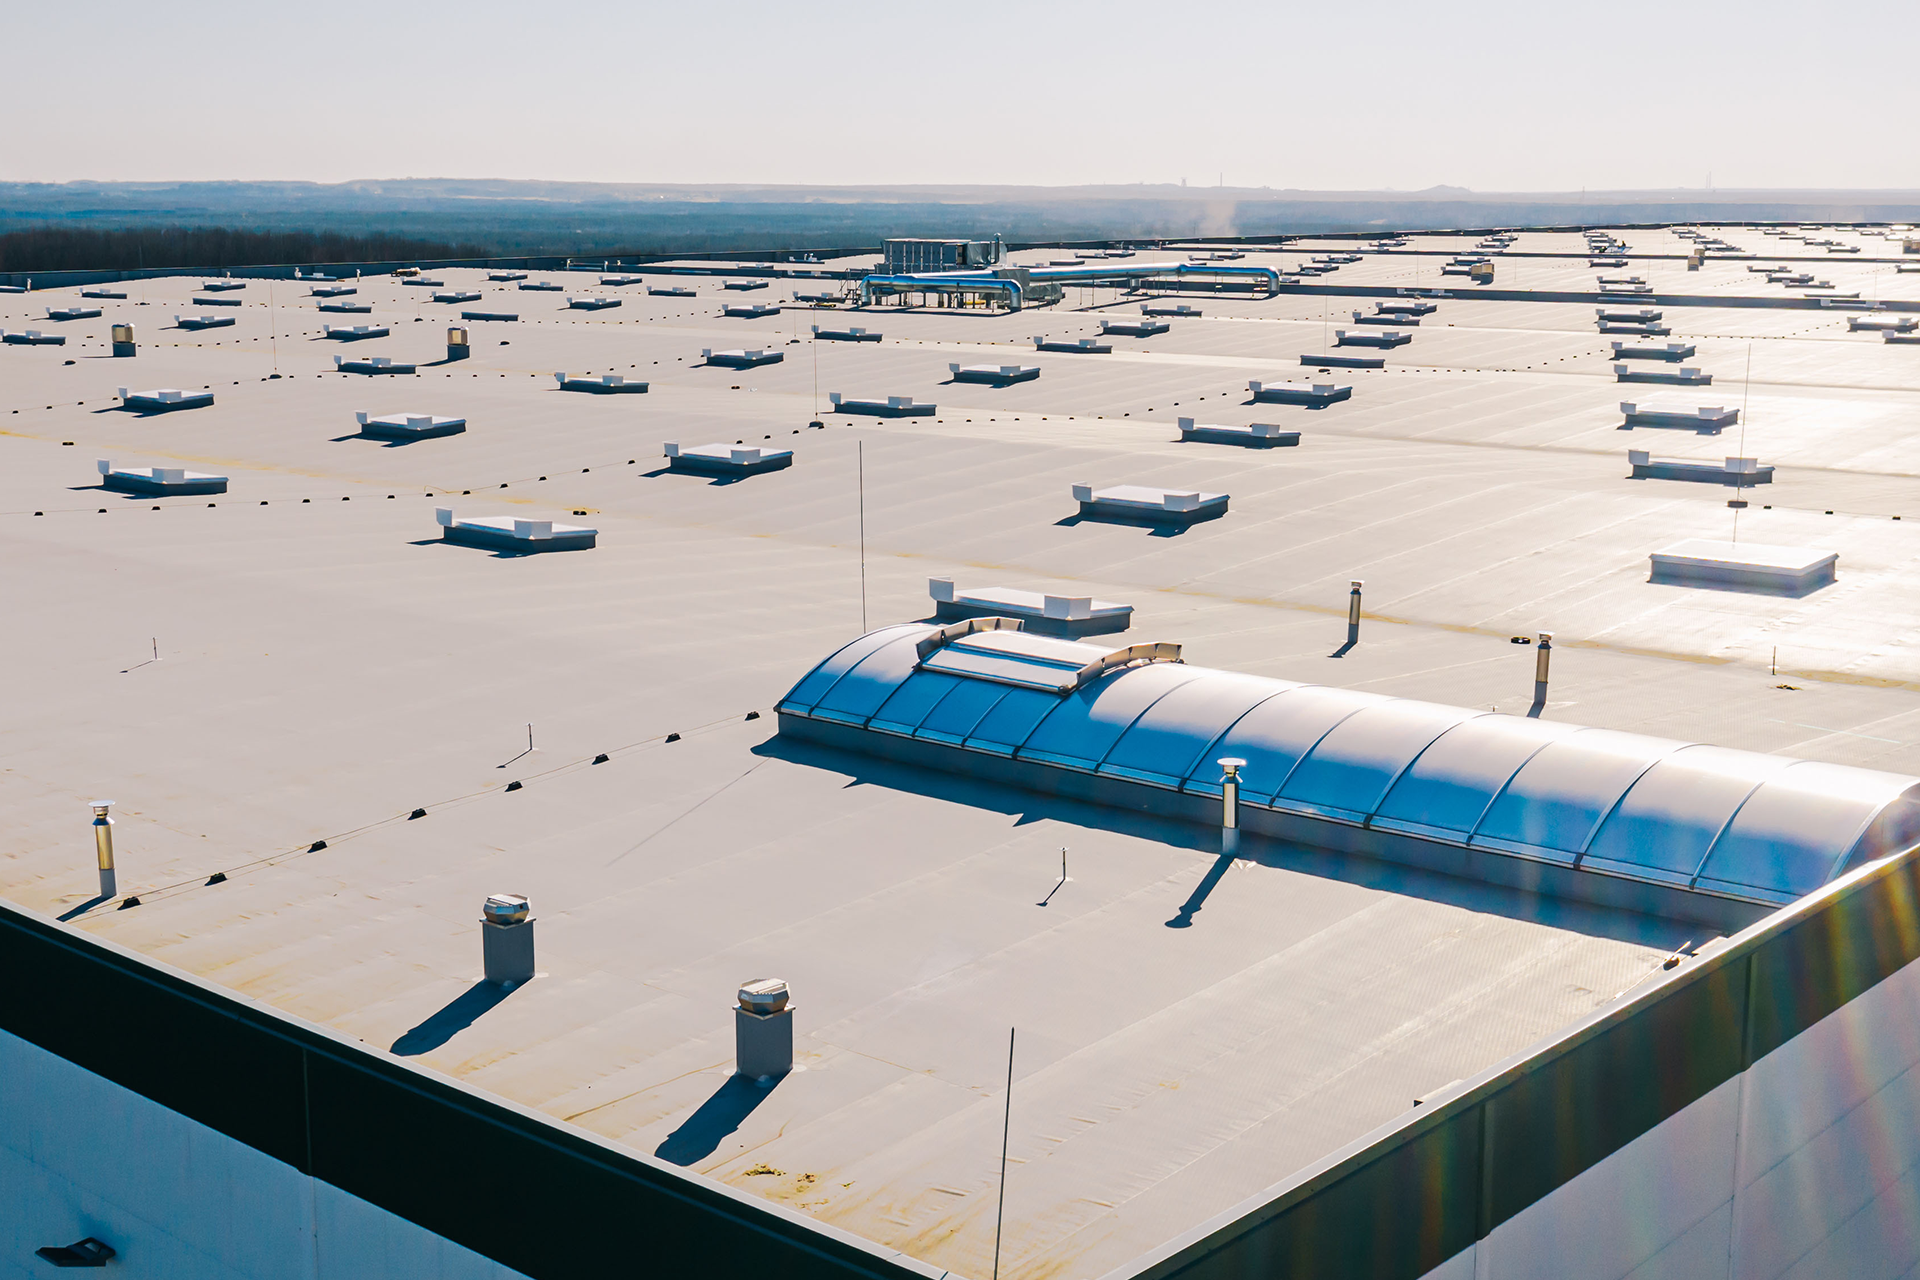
<point>763,1031</point>
<point>506,940</point>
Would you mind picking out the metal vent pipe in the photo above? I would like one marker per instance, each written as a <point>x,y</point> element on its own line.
<point>1230,804</point>
<point>103,845</point>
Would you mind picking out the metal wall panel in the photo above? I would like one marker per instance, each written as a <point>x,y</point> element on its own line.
<point>519,1189</point>
<point>1557,1112</point>
<point>139,1031</point>
<point>1578,1107</point>
<point>1812,967</point>
<point>439,1155</point>
<point>1398,1215</point>
<point>458,1172</point>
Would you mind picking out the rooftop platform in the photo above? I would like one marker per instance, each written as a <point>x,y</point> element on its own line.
<point>1191,1031</point>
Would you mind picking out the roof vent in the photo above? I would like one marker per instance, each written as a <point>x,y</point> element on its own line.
<point>506,939</point>
<point>506,908</point>
<point>764,995</point>
<point>763,1030</point>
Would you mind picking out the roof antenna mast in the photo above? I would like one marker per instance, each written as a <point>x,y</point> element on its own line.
<point>860,456</point>
<point>1006,1127</point>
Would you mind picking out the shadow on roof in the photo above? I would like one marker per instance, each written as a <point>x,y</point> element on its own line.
<point>702,1132</point>
<point>1198,898</point>
<point>450,1021</point>
<point>1594,920</point>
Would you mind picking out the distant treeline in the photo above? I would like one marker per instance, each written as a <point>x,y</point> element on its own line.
<point>54,248</point>
<point>96,234</point>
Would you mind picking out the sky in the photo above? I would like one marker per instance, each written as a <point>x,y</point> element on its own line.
<point>1387,95</point>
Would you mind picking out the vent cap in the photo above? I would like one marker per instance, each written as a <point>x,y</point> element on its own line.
<point>505,908</point>
<point>764,995</point>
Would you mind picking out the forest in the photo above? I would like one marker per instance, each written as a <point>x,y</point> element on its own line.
<point>58,248</point>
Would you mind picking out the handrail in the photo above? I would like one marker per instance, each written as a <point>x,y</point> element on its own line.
<point>955,282</point>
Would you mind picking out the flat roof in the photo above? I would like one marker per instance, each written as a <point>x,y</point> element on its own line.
<point>326,666</point>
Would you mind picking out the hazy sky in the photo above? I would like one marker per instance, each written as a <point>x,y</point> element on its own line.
<point>1477,93</point>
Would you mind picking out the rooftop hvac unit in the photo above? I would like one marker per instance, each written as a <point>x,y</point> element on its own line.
<point>1142,504</point>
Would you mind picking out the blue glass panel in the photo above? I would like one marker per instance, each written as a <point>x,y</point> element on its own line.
<point>1446,791</point>
<point>1349,770</point>
<point>814,685</point>
<point>1012,720</point>
<point>1166,743</point>
<point>1557,799</point>
<point>1086,723</point>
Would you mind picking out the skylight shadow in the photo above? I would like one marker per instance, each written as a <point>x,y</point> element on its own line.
<point>1028,807</point>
